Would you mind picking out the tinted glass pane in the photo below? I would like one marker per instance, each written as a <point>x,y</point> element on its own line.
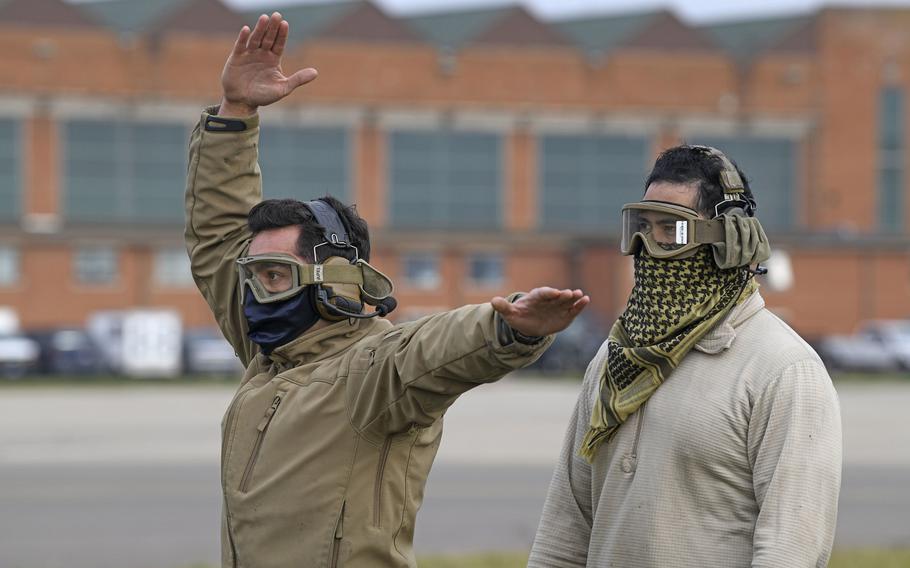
<point>585,180</point>
<point>10,170</point>
<point>9,266</point>
<point>770,166</point>
<point>891,159</point>
<point>449,180</point>
<point>117,171</point>
<point>305,163</point>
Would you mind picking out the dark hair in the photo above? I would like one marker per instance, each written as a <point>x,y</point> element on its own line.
<point>691,164</point>
<point>277,213</point>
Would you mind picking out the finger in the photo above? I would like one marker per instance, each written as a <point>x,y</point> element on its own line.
<point>282,38</point>
<point>301,77</point>
<point>579,305</point>
<point>271,33</point>
<point>562,297</point>
<point>544,293</point>
<point>258,32</point>
<point>240,44</point>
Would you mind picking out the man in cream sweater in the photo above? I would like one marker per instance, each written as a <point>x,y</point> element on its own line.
<point>707,432</point>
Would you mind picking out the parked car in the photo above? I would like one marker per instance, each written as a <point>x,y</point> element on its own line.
<point>68,351</point>
<point>878,346</point>
<point>207,352</point>
<point>894,335</point>
<point>573,348</point>
<point>18,354</point>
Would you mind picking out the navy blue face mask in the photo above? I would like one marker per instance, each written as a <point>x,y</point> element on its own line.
<point>274,324</point>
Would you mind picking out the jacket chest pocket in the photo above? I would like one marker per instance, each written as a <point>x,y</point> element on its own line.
<point>261,429</point>
<point>391,469</point>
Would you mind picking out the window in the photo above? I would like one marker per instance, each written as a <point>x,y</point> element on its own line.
<point>891,159</point>
<point>305,163</point>
<point>421,270</point>
<point>445,180</point>
<point>172,268</point>
<point>9,266</point>
<point>118,171</point>
<point>586,179</point>
<point>770,166</point>
<point>96,265</point>
<point>486,270</point>
<point>10,188</point>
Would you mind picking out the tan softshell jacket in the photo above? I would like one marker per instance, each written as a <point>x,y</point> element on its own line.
<point>329,440</point>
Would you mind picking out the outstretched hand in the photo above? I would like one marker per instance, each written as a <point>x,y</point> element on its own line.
<point>252,76</point>
<point>542,311</point>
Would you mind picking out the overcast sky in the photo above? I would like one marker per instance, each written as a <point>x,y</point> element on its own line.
<point>691,10</point>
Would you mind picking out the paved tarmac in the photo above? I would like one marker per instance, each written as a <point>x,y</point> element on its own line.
<point>127,477</point>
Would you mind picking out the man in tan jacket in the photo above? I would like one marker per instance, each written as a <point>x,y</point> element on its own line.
<point>329,440</point>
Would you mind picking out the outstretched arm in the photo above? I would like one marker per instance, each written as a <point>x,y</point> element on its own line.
<point>411,375</point>
<point>223,181</point>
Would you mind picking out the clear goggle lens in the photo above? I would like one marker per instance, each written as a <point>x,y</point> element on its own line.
<point>271,278</point>
<point>665,230</point>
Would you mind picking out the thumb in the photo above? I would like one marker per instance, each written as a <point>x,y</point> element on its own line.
<point>502,305</point>
<point>301,77</point>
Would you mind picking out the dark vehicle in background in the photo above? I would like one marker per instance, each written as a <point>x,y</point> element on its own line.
<point>68,352</point>
<point>573,348</point>
<point>878,346</point>
<point>207,352</point>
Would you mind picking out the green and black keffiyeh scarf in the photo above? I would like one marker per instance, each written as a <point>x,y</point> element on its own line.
<point>673,304</point>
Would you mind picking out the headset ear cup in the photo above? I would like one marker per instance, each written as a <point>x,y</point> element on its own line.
<point>335,301</point>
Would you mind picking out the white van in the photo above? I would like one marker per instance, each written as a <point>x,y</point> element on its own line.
<point>140,343</point>
<point>18,354</point>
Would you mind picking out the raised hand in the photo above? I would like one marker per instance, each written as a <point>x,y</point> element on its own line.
<point>252,76</point>
<point>542,311</point>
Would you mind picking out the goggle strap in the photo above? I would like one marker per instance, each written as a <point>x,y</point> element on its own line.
<point>708,232</point>
<point>331,274</point>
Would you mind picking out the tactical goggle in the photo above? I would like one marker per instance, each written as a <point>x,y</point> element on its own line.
<point>666,230</point>
<point>275,277</point>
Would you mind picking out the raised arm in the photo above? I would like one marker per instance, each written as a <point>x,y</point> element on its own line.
<point>223,181</point>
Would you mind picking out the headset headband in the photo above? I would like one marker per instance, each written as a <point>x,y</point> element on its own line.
<point>332,226</point>
<point>329,221</point>
<point>730,179</point>
<point>732,184</point>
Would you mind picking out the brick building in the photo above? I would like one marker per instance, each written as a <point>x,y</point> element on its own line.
<point>490,150</point>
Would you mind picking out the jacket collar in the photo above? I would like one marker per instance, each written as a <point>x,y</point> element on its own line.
<point>326,342</point>
<point>723,334</point>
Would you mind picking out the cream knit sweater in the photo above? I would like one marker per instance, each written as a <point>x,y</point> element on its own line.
<point>735,461</point>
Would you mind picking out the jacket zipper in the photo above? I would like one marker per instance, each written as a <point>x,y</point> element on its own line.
<point>339,534</point>
<point>225,436</point>
<point>629,462</point>
<point>377,491</point>
<point>257,447</point>
<point>641,420</point>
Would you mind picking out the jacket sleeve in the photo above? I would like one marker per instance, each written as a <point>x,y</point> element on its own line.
<point>223,184</point>
<point>564,532</point>
<point>795,447</point>
<point>416,371</point>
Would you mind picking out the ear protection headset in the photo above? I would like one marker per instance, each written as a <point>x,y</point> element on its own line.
<point>745,238</point>
<point>339,301</point>
<point>735,197</point>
